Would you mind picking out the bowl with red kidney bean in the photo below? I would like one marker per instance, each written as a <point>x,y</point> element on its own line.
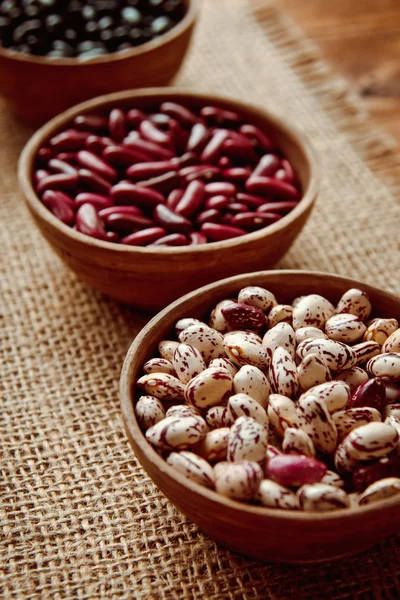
<point>271,402</point>
<point>171,189</point>
<point>102,46</point>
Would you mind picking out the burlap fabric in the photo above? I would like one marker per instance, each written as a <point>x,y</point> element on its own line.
<point>79,517</point>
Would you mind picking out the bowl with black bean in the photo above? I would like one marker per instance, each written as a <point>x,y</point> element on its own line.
<point>54,54</point>
<point>148,194</point>
<point>266,407</point>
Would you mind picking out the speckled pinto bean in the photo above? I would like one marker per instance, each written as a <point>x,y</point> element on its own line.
<point>270,397</point>
<point>190,160</point>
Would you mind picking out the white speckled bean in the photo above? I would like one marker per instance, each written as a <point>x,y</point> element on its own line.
<point>241,349</point>
<point>272,450</point>
<point>298,441</point>
<point>257,297</point>
<point>280,336</point>
<point>337,356</point>
<point>394,422</point>
<point>208,388</point>
<point>162,386</point>
<point>392,391</point>
<point>225,363</point>
<point>251,380</point>
<point>351,418</point>
<point>149,411</point>
<point>251,336</point>
<point>283,374</point>
<point>392,410</point>
<point>209,343</point>
<point>297,300</point>
<point>344,462</point>
<point>312,310</point>
<point>159,365</point>
<point>185,323</point>
<point>379,330</point>
<point>312,371</point>
<point>386,366</point>
<point>187,362</point>
<point>364,351</point>
<point>247,440</point>
<point>279,314</point>
<point>217,320</point>
<point>192,467</point>
<point>392,343</point>
<point>352,377</point>
<point>332,478</point>
<point>239,481</point>
<point>322,497</point>
<point>219,416</point>
<point>274,495</point>
<point>167,348</point>
<point>355,302</point>
<point>345,328</point>
<point>314,419</point>
<point>309,333</point>
<point>214,446</point>
<point>182,410</point>
<point>242,405</point>
<point>177,433</point>
<point>282,413</point>
<point>371,441</point>
<point>334,394</point>
<point>380,490</point>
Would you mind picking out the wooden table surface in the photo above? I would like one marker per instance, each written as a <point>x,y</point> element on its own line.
<point>361,40</point>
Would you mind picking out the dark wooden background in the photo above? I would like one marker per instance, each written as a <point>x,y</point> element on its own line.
<point>361,40</point>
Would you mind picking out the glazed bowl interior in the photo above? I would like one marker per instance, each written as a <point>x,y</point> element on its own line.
<point>268,534</point>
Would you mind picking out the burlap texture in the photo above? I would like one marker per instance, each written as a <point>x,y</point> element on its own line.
<point>79,517</point>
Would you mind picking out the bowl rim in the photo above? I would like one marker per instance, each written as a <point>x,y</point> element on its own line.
<point>189,18</point>
<point>133,430</point>
<point>28,154</point>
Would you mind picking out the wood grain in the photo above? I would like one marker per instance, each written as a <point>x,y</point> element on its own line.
<point>361,39</point>
<point>267,534</point>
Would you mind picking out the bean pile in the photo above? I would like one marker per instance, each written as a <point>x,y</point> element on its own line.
<point>289,406</point>
<point>71,28</point>
<point>171,178</point>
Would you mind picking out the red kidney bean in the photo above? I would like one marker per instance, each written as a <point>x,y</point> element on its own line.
<point>146,170</point>
<point>267,166</point>
<point>112,236</point>
<point>238,207</point>
<point>282,207</point>
<point>93,182</point>
<point>239,149</point>
<point>174,198</point>
<point>251,221</point>
<point>60,166</point>
<point>126,210</point>
<point>217,202</point>
<point>125,223</point>
<point>217,188</point>
<point>59,181</point>
<point>135,117</point>
<point>41,174</point>
<point>144,237</point>
<point>91,161</point>
<point>160,120</point>
<point>97,144</point>
<point>60,205</point>
<point>196,238</point>
<point>365,474</point>
<point>217,232</point>
<point>174,239</point>
<point>69,157</point>
<point>124,157</point>
<point>258,137</point>
<point>186,160</point>
<point>282,176</point>
<point>151,150</point>
<point>89,222</point>
<point>97,200</point>
<point>152,134</point>
<point>163,183</point>
<point>44,155</point>
<point>226,219</point>
<point>204,174</point>
<point>170,220</point>
<point>237,174</point>
<point>88,122</point>
<point>199,136</point>
<point>213,149</point>
<point>126,192</point>
<point>182,114</point>
<point>212,215</point>
<point>370,393</point>
<point>287,167</point>
<point>250,199</point>
<point>179,136</point>
<point>220,116</point>
<point>117,124</point>
<point>224,162</point>
<point>69,140</point>
<point>191,200</point>
<point>266,186</point>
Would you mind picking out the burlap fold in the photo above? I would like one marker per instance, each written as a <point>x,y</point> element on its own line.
<point>79,517</point>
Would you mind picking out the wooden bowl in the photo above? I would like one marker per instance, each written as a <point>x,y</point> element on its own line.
<point>151,278</point>
<point>37,88</point>
<point>269,534</point>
